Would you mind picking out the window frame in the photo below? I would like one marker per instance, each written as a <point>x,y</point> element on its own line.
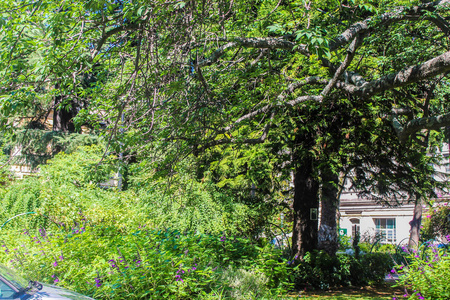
<point>388,231</point>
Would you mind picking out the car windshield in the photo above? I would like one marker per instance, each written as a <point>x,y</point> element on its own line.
<point>17,281</point>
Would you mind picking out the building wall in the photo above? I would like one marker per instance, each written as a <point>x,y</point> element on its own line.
<point>354,210</point>
<point>366,211</point>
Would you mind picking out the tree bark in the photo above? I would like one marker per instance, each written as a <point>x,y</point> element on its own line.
<point>63,116</point>
<point>328,233</point>
<point>415,224</point>
<point>306,187</point>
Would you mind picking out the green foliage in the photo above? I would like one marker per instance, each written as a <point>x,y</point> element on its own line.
<point>22,197</point>
<point>37,146</point>
<point>426,272</point>
<point>321,271</point>
<point>109,262</point>
<point>436,224</point>
<point>80,223</point>
<point>344,242</point>
<point>188,203</point>
<point>67,184</point>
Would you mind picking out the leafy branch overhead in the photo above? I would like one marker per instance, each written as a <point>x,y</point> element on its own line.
<point>317,86</point>
<point>348,81</point>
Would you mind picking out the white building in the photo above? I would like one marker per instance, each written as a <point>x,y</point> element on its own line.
<point>374,221</point>
<point>378,222</point>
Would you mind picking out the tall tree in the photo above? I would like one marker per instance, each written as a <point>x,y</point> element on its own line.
<point>315,82</point>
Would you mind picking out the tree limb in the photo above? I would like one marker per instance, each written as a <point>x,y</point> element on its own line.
<point>430,123</point>
<point>112,32</point>
<point>428,69</point>
<point>361,28</point>
<point>264,43</point>
<point>348,59</point>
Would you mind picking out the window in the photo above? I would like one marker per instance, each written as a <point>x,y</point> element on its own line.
<point>385,228</point>
<point>355,228</point>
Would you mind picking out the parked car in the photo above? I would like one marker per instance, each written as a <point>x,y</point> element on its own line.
<point>13,286</point>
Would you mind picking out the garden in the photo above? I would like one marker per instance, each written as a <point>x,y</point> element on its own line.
<point>164,147</point>
<point>112,244</point>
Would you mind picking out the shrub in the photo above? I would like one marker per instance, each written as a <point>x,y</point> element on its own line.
<point>112,262</point>
<point>322,271</point>
<point>436,224</point>
<point>426,272</point>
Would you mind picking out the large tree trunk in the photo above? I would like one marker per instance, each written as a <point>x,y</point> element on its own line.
<point>414,234</point>
<point>62,117</point>
<point>306,204</point>
<point>328,233</point>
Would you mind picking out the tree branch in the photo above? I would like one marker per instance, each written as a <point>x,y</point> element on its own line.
<point>263,43</point>
<point>259,140</point>
<point>430,123</point>
<point>348,59</point>
<point>363,27</point>
<point>360,28</point>
<point>282,97</point>
<point>428,69</point>
<point>112,32</point>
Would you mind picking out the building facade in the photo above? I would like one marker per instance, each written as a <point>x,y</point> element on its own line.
<point>387,225</point>
<point>374,222</point>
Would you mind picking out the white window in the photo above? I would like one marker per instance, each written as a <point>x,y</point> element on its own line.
<point>385,228</point>
<point>355,227</point>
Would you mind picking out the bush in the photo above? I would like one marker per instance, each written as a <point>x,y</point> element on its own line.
<point>108,262</point>
<point>321,271</point>
<point>426,272</point>
<point>436,224</point>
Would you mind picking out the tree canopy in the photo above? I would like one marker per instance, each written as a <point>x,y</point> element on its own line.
<point>320,90</point>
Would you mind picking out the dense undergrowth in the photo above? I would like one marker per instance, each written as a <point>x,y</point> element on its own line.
<point>142,263</point>
<point>184,240</point>
<point>425,271</point>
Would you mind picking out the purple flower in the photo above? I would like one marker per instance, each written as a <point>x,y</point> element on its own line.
<point>98,282</point>
<point>55,264</point>
<point>393,271</point>
<point>223,238</point>
<point>56,279</point>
